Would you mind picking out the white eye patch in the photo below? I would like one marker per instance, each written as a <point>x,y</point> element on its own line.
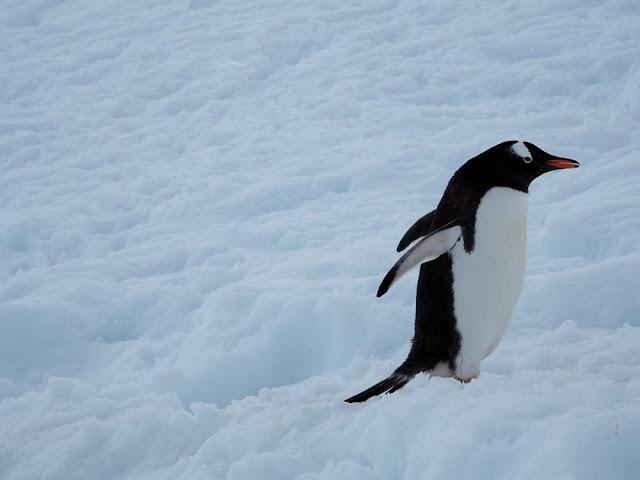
<point>521,150</point>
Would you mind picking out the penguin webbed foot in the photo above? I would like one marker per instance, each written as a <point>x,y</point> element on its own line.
<point>468,379</point>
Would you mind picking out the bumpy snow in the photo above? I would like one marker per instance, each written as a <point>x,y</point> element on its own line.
<point>199,198</point>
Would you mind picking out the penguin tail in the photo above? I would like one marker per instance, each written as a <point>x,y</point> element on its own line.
<point>395,381</point>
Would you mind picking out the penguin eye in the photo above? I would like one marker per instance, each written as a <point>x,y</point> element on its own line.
<point>527,159</point>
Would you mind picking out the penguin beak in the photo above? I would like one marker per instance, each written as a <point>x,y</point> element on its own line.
<point>557,163</point>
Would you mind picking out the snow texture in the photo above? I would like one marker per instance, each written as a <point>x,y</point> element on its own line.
<point>198,199</point>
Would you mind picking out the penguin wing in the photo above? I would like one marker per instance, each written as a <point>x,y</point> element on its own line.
<point>427,249</point>
<point>417,230</point>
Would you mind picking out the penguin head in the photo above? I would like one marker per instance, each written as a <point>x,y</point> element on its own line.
<point>516,163</point>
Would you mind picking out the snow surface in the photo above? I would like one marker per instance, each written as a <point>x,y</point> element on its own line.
<point>198,199</point>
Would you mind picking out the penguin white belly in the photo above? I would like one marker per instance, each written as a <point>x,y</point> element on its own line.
<point>488,280</point>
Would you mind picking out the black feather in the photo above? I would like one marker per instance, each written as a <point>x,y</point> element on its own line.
<point>387,280</point>
<point>417,230</point>
<point>389,385</point>
<point>398,379</point>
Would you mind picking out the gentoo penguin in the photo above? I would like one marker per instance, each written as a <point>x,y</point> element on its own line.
<point>472,253</point>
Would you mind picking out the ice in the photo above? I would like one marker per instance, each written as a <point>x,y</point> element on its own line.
<point>199,198</point>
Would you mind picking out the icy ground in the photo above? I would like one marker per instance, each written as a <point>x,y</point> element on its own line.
<point>199,198</point>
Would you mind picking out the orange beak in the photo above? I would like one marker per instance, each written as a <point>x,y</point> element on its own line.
<point>562,163</point>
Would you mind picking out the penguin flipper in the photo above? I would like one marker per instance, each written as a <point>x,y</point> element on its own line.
<point>427,249</point>
<point>417,230</point>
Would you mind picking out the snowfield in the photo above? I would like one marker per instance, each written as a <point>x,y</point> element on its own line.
<point>198,199</point>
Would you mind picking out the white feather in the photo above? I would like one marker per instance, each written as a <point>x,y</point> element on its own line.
<point>427,249</point>
<point>520,149</point>
<point>488,281</point>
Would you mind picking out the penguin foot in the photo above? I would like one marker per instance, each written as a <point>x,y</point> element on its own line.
<point>467,379</point>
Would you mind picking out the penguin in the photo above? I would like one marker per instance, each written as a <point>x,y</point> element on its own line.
<point>472,251</point>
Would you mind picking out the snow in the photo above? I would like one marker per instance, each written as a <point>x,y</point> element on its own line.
<point>198,199</point>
